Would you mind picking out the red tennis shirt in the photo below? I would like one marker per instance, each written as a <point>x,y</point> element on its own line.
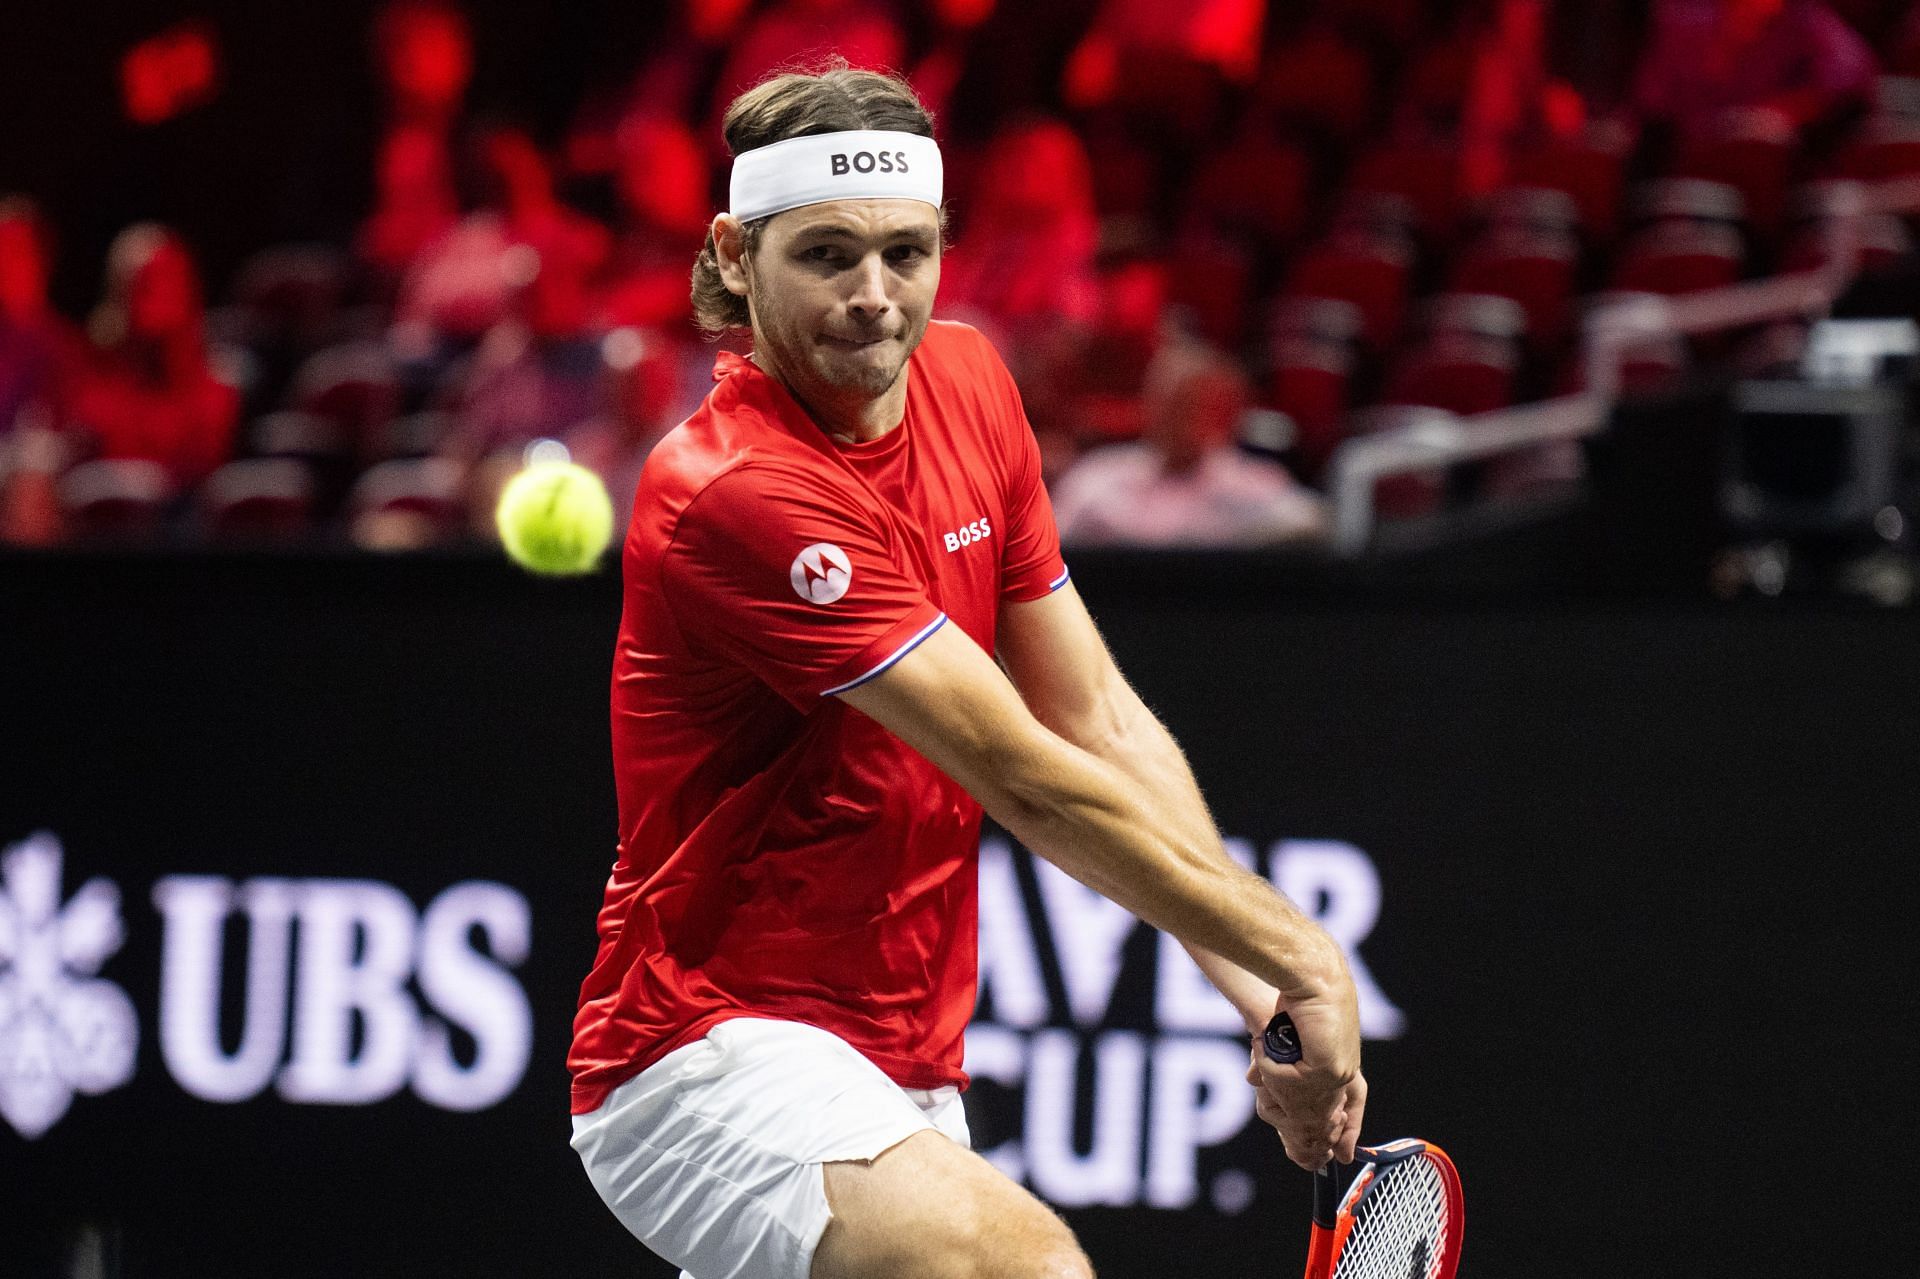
<point>782,855</point>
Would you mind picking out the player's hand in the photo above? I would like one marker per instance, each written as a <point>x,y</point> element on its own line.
<point>1317,1103</point>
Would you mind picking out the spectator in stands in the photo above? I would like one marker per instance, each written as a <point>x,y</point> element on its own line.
<point>38,348</point>
<point>39,352</point>
<point>1707,57</point>
<point>867,33</point>
<point>1186,483</point>
<point>527,377</point>
<point>460,285</point>
<point>1167,65</point>
<point>1484,84</point>
<point>1022,263</point>
<point>424,51</point>
<point>414,200</point>
<point>1321,78</point>
<point>663,180</point>
<point>1025,251</point>
<point>148,389</point>
<point>642,392</point>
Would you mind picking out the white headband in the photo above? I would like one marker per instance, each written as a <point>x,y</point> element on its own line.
<point>860,164</point>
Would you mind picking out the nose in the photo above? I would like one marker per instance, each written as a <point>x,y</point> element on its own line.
<point>868,302</point>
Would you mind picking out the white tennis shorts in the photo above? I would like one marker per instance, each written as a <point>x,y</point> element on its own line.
<point>712,1155</point>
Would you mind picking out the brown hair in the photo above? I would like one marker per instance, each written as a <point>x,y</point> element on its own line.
<point>796,104</point>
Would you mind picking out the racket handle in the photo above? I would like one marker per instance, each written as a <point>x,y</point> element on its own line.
<point>1281,1041</point>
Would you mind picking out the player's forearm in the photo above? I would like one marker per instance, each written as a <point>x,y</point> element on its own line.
<point>1097,822</point>
<point>1252,998</point>
<point>1132,739</point>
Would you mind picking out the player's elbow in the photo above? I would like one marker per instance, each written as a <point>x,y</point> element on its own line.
<point>1015,775</point>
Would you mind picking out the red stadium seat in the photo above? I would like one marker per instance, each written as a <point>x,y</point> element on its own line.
<point>331,457</point>
<point>1321,79</point>
<point>1327,319</point>
<point>1591,169</point>
<point>1426,174</point>
<point>291,433</point>
<point>1308,381</point>
<point>408,502</point>
<point>1884,148</point>
<point>293,292</point>
<point>1525,209</point>
<point>1753,152</point>
<point>415,435</point>
<point>1457,372</point>
<point>1679,258</point>
<point>1898,96</point>
<point>1537,269</point>
<point>1398,21</point>
<point>257,499</point>
<point>353,385</point>
<point>1212,279</point>
<point>1647,365</point>
<point>1403,496</point>
<point>1258,187</point>
<point>1685,200</point>
<point>115,499</point>
<point>1370,271</point>
<point>1474,315</point>
<point>1884,240</point>
<point>1375,213</point>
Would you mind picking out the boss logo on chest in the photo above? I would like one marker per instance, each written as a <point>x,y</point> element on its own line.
<point>869,161</point>
<point>978,531</point>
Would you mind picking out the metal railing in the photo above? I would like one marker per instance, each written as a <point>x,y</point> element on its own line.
<point>1430,441</point>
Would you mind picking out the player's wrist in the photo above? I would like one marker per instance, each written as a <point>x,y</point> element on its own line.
<point>1318,973</point>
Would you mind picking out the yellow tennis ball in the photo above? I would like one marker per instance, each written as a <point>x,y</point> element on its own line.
<point>555,518</point>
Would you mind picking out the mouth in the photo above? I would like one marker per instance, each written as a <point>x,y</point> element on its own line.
<point>854,344</point>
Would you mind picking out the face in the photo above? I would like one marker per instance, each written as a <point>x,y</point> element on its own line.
<point>428,55</point>
<point>23,269</point>
<point>662,175</point>
<point>1194,413</point>
<point>163,297</point>
<point>841,293</point>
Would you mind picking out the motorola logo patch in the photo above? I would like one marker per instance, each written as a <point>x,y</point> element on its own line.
<point>821,573</point>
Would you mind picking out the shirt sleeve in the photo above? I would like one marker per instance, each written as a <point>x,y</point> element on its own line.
<point>793,582</point>
<point>1032,565</point>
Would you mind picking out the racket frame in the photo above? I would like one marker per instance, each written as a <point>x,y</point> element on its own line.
<point>1333,1213</point>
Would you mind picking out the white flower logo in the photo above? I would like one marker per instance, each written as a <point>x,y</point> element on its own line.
<point>61,1030</point>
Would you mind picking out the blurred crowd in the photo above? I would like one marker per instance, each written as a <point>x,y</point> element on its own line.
<point>1212,240</point>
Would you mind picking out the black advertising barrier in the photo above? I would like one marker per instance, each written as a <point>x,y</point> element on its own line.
<point>301,858</point>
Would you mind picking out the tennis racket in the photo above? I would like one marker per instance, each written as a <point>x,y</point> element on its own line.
<point>1401,1217</point>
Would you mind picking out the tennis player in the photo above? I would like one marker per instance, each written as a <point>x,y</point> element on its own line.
<point>808,717</point>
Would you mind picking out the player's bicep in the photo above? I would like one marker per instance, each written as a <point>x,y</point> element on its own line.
<point>794,586</point>
<point>948,700</point>
<point>1056,658</point>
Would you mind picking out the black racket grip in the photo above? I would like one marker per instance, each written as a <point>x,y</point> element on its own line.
<point>1281,1041</point>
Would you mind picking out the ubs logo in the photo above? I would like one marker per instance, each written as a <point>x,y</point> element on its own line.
<point>62,1030</point>
<point>868,161</point>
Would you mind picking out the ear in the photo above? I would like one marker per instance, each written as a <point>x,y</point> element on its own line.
<point>730,253</point>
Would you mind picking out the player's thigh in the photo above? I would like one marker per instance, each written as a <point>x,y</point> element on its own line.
<point>930,1209</point>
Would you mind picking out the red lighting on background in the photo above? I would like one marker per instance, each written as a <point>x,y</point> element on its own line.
<point>175,71</point>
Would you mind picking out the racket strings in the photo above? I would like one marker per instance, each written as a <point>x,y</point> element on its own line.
<point>1399,1227</point>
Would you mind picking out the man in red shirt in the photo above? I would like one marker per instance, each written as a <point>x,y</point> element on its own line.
<point>808,717</point>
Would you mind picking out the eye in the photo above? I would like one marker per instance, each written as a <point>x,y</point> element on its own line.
<point>821,253</point>
<point>905,253</point>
